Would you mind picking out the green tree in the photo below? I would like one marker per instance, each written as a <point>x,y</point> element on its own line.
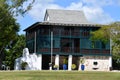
<point>14,50</point>
<point>9,9</point>
<point>107,32</point>
<point>17,7</point>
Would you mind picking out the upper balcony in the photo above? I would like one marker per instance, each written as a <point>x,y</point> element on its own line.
<point>75,51</point>
<point>76,34</point>
<point>61,33</point>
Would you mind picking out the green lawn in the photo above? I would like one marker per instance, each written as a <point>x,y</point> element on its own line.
<point>58,75</point>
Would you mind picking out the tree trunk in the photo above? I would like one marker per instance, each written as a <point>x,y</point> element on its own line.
<point>0,63</point>
<point>1,59</point>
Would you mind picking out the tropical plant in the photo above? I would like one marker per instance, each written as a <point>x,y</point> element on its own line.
<point>73,66</point>
<point>55,66</point>
<point>82,60</point>
<point>65,61</point>
<point>23,65</point>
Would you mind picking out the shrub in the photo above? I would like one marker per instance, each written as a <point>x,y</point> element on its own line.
<point>65,61</point>
<point>73,66</point>
<point>56,66</point>
<point>23,65</point>
<point>82,60</point>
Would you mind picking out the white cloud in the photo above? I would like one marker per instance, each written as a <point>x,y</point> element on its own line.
<point>93,14</point>
<point>39,8</point>
<point>101,3</point>
<point>98,2</point>
<point>97,15</point>
<point>92,9</point>
<point>75,6</point>
<point>43,1</point>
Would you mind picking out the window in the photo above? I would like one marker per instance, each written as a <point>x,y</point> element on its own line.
<point>85,43</point>
<point>95,63</point>
<point>95,44</point>
<point>103,45</point>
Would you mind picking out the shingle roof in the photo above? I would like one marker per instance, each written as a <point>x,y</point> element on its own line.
<point>60,25</point>
<point>66,16</point>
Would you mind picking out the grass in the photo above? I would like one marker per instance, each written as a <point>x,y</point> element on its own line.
<point>58,75</point>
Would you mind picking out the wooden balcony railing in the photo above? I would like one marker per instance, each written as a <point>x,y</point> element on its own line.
<point>77,50</point>
<point>44,50</point>
<point>70,50</point>
<point>56,32</point>
<point>85,33</point>
<point>94,51</point>
<point>65,33</point>
<point>84,51</point>
<point>56,49</point>
<point>66,49</point>
<point>105,51</point>
<point>48,50</point>
<point>75,34</point>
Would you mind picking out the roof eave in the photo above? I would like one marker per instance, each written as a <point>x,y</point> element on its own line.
<point>61,24</point>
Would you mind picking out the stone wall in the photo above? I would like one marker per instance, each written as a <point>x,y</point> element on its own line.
<point>97,63</point>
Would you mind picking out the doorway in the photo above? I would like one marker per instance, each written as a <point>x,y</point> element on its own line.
<point>45,62</point>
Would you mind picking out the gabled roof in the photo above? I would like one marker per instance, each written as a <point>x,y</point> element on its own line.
<point>65,16</point>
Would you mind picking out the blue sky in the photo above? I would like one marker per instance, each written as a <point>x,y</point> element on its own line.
<point>96,11</point>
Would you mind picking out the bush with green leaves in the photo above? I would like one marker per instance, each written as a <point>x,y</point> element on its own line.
<point>23,65</point>
<point>73,66</point>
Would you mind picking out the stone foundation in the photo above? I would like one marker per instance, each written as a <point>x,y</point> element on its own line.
<point>97,63</point>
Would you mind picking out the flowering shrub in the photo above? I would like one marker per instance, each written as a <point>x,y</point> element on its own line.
<point>73,66</point>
